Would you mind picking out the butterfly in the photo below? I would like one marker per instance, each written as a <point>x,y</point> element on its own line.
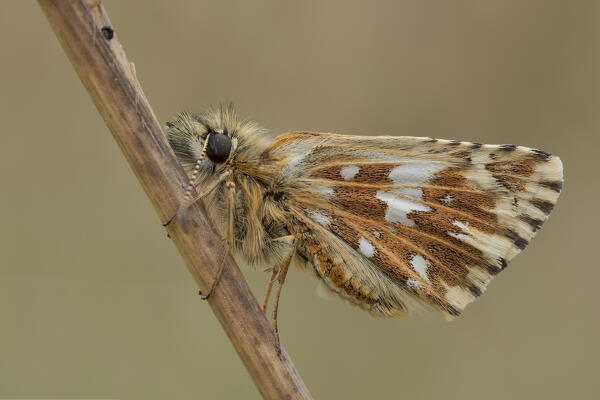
<point>391,224</point>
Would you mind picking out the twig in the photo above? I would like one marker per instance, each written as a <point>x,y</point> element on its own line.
<point>86,34</point>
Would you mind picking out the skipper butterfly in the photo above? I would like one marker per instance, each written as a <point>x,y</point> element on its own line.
<point>391,224</point>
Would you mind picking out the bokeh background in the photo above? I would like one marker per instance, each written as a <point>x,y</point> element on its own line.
<point>95,301</point>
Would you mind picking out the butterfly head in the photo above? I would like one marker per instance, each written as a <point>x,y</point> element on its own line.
<point>215,141</point>
<point>210,138</point>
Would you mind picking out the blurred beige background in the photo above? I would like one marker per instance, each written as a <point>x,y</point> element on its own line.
<point>95,301</point>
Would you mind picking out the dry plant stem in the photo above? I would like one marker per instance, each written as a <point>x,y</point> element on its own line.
<point>110,80</point>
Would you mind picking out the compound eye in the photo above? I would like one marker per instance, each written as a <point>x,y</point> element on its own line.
<point>218,147</point>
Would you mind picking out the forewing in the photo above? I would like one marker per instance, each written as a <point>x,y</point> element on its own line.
<point>396,221</point>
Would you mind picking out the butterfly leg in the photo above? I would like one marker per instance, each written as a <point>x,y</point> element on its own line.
<point>268,291</point>
<point>228,242</point>
<point>286,247</point>
<point>290,242</point>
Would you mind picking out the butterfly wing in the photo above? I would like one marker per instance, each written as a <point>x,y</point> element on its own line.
<point>392,223</point>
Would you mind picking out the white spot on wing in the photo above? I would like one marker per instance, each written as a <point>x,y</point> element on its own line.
<point>415,193</point>
<point>320,218</point>
<point>366,247</point>
<point>420,265</point>
<point>326,191</point>
<point>377,234</point>
<point>415,172</point>
<point>349,171</point>
<point>446,199</point>
<point>461,225</point>
<point>399,207</point>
